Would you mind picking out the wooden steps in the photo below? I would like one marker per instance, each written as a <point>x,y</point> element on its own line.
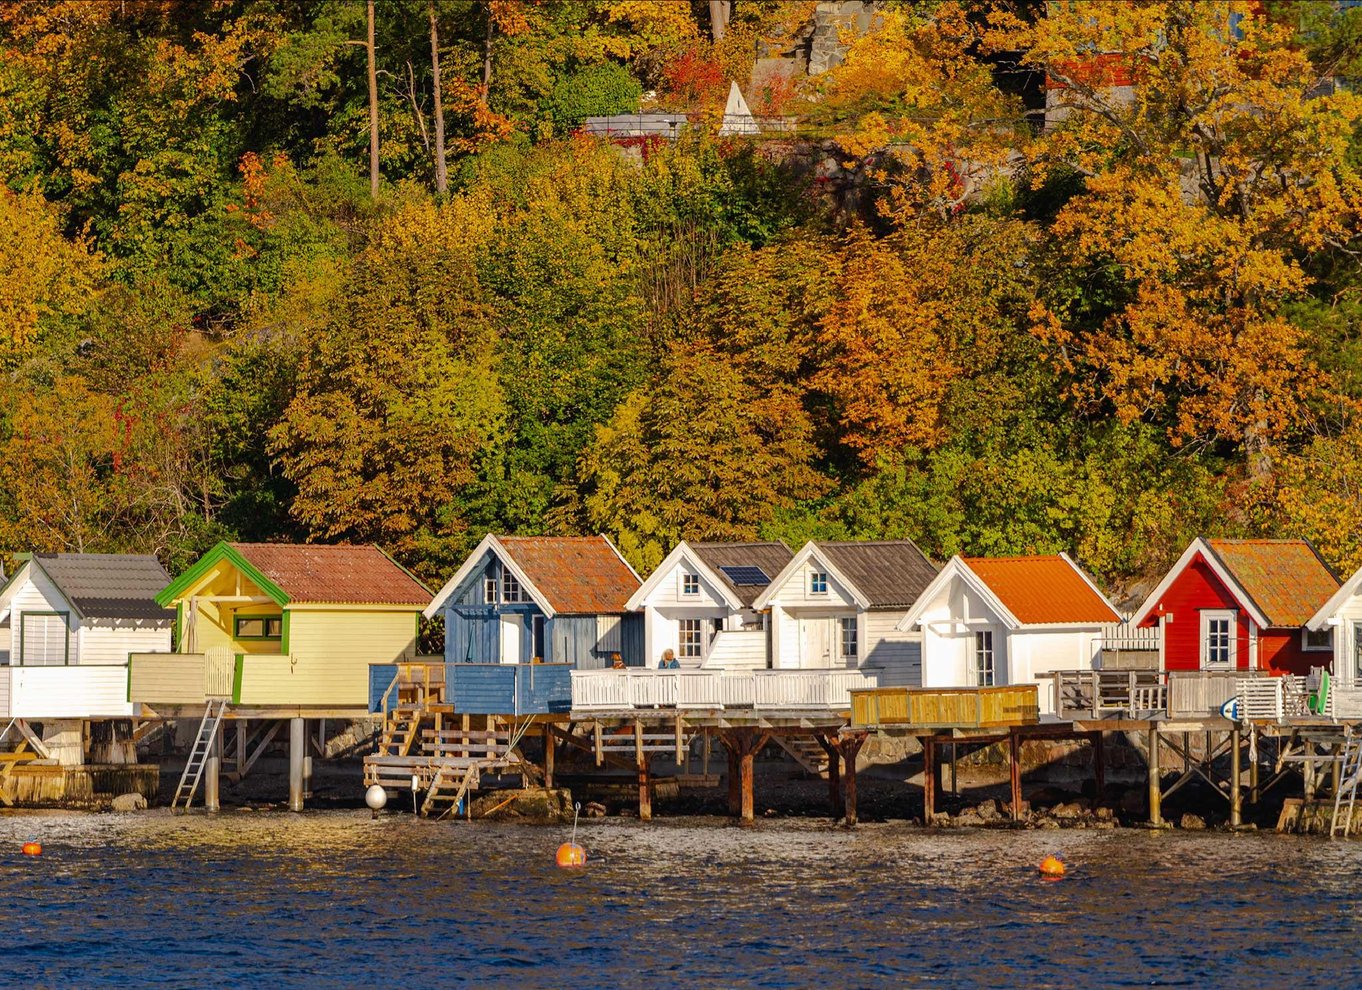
<point>806,751</point>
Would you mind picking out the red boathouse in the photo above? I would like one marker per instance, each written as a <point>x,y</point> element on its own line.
<point>1241,605</point>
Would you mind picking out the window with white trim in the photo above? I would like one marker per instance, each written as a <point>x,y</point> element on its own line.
<point>1317,641</point>
<point>43,640</point>
<point>510,588</point>
<point>846,627</point>
<point>818,582</point>
<point>690,634</point>
<point>983,658</point>
<point>1217,639</point>
<point>489,591</point>
<point>690,585</point>
<point>1357,652</point>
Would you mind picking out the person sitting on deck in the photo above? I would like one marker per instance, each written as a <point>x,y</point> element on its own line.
<point>616,662</point>
<point>668,661</point>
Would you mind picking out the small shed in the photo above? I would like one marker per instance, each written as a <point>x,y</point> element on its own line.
<point>996,621</point>
<point>1242,605</point>
<point>547,599</point>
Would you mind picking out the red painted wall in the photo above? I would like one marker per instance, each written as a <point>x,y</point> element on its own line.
<point>1280,652</point>
<point>1196,588</point>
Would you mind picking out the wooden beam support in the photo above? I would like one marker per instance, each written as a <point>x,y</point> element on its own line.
<point>1099,767</point>
<point>743,745</point>
<point>836,807</point>
<point>1236,771</point>
<point>1014,769</point>
<point>850,746</point>
<point>548,756</point>
<point>734,785</point>
<point>1155,785</point>
<point>928,779</point>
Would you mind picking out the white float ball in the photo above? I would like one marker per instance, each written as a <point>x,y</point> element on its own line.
<point>375,797</point>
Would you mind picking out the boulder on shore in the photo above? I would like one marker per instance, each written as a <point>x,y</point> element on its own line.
<point>129,802</point>
<point>1192,823</point>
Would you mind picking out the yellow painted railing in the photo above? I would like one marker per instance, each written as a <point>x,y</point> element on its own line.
<point>939,708</point>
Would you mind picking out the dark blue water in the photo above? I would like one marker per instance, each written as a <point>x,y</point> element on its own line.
<point>334,899</point>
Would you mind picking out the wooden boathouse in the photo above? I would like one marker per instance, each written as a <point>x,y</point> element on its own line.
<point>269,634</point>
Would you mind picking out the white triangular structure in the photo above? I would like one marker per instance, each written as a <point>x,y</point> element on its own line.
<point>738,118</point>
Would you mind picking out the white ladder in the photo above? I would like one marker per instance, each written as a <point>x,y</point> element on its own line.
<point>1350,775</point>
<point>198,755</point>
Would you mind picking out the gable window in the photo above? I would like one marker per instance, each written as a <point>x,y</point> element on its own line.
<point>1321,641</point>
<point>847,629</point>
<point>690,584</point>
<point>43,639</point>
<point>983,658</point>
<point>489,591</point>
<point>510,588</point>
<point>818,582</point>
<point>690,638</point>
<point>259,627</point>
<point>1217,639</point>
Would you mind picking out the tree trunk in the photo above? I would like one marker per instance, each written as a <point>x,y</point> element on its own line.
<point>487,51</point>
<point>441,168</point>
<point>373,107</point>
<point>719,11</point>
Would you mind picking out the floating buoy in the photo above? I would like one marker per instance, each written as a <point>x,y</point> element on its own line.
<point>1052,867</point>
<point>375,797</point>
<point>33,848</point>
<point>570,854</point>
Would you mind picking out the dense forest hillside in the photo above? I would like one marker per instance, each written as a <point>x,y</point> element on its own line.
<point>1005,278</point>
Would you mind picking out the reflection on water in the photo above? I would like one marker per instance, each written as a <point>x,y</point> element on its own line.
<point>336,899</point>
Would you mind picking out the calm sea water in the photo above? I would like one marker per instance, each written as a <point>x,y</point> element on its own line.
<point>334,899</point>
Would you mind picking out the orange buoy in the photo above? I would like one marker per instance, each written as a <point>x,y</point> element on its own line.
<point>570,854</point>
<point>33,848</point>
<point>1052,867</point>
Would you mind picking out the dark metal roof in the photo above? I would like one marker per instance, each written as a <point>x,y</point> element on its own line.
<point>889,573</point>
<point>771,557</point>
<point>108,585</point>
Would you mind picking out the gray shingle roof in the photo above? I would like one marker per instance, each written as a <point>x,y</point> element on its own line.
<point>108,585</point>
<point>770,557</point>
<point>890,573</point>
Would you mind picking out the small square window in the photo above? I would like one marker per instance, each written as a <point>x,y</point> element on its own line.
<point>1320,641</point>
<point>690,584</point>
<point>259,627</point>
<point>510,588</point>
<point>818,583</point>
<point>489,591</point>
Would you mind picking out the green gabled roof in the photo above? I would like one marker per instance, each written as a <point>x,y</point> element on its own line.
<point>223,551</point>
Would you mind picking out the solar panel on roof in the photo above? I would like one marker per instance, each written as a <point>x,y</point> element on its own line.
<point>745,575</point>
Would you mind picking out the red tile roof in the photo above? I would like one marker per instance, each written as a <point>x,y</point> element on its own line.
<point>1041,590</point>
<point>343,574</point>
<point>1286,579</point>
<point>579,575</point>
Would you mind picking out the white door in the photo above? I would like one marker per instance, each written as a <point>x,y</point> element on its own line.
<point>512,631</point>
<point>816,642</point>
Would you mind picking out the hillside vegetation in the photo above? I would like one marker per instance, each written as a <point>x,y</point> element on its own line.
<point>920,314</point>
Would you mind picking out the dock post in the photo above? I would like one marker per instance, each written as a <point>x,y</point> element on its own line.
<point>1308,772</point>
<point>1155,786</point>
<point>1014,768</point>
<point>851,749</point>
<point>745,775</point>
<point>836,807</point>
<point>734,785</point>
<point>212,769</point>
<point>240,748</point>
<point>1254,741</point>
<point>928,780</point>
<point>1236,775</point>
<point>1099,767</point>
<point>645,792</point>
<point>548,757</point>
<point>297,745</point>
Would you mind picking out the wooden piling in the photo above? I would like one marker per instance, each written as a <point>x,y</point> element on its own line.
<point>928,780</point>
<point>212,769</point>
<point>1236,774</point>
<point>645,786</point>
<point>1099,767</point>
<point>1014,767</point>
<point>297,747</point>
<point>836,807</point>
<point>734,785</point>
<point>548,756</point>
<point>1155,786</point>
<point>1254,741</point>
<point>850,746</point>
<point>748,810</point>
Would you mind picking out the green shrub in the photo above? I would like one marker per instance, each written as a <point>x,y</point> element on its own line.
<point>597,91</point>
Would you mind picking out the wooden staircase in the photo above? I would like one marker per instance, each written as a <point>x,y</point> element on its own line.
<point>807,752</point>
<point>400,729</point>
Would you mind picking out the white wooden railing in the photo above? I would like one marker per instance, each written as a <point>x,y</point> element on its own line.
<point>621,690</point>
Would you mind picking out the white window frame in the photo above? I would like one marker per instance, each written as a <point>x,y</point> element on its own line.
<point>63,620</point>
<point>1209,616</point>
<point>985,659</point>
<point>690,584</point>
<point>489,590</point>
<point>511,592</point>
<point>848,635</point>
<point>690,638</point>
<point>818,582</point>
<point>1328,646</point>
<point>1357,652</point>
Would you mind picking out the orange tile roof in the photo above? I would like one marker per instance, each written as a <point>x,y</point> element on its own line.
<point>579,575</point>
<point>340,574</point>
<point>1286,579</point>
<point>1042,590</point>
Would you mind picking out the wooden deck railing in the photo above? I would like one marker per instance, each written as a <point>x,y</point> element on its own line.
<point>940,708</point>
<point>1145,694</point>
<point>770,690</point>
